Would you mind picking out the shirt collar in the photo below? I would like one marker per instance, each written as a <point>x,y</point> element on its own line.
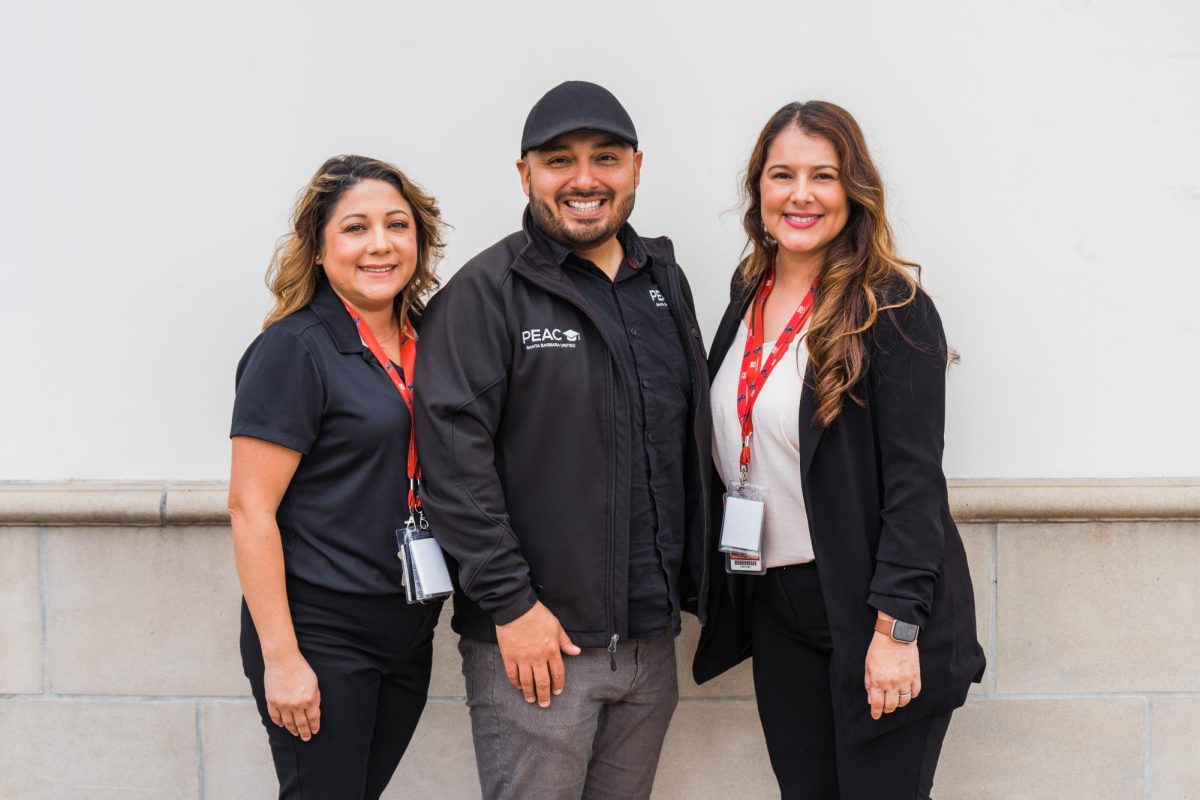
<point>333,315</point>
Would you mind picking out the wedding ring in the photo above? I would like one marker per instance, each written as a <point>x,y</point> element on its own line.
<point>906,694</point>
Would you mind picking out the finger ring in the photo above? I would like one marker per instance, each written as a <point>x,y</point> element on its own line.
<point>906,694</point>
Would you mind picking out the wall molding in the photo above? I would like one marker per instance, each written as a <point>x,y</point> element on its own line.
<point>92,503</point>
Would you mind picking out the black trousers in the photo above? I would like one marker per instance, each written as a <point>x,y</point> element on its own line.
<point>810,757</point>
<point>372,656</point>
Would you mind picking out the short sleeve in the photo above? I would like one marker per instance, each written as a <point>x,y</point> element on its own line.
<point>280,393</point>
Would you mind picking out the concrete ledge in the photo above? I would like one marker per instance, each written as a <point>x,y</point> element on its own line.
<point>81,503</point>
<point>1074,500</point>
<point>100,503</point>
<point>195,504</point>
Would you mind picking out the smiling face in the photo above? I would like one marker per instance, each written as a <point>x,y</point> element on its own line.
<point>803,203</point>
<point>581,187</point>
<point>369,245</point>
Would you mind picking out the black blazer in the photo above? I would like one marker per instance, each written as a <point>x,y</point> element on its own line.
<point>880,522</point>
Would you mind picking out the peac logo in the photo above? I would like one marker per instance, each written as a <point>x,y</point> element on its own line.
<point>657,298</point>
<point>540,338</point>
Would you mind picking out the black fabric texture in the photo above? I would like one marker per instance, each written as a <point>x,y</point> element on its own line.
<point>309,384</point>
<point>524,426</point>
<point>879,516</point>
<point>634,314</point>
<point>576,106</point>
<point>810,753</point>
<point>373,657</point>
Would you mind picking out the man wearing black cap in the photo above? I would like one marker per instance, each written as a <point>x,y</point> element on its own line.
<point>563,425</point>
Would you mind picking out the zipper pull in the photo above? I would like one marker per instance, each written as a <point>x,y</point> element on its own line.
<point>612,652</point>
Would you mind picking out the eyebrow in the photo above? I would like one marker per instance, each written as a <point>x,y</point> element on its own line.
<point>364,216</point>
<point>818,166</point>
<point>601,145</point>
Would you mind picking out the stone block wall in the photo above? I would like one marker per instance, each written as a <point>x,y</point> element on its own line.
<point>120,675</point>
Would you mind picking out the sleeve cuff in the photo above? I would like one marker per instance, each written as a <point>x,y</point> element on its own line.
<point>297,443</point>
<point>898,607</point>
<point>516,608</point>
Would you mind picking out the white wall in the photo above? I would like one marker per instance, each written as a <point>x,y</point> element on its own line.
<point>1041,158</point>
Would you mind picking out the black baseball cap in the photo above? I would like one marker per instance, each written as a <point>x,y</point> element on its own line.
<point>576,106</point>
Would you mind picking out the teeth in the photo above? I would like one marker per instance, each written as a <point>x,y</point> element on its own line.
<point>802,220</point>
<point>376,269</point>
<point>591,205</point>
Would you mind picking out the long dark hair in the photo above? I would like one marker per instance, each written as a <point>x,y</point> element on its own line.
<point>861,276</point>
<point>292,276</point>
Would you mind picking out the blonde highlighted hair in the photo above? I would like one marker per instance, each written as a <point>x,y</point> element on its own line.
<point>861,276</point>
<point>293,274</point>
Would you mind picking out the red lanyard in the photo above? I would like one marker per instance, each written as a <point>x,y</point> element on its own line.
<point>408,359</point>
<point>755,368</point>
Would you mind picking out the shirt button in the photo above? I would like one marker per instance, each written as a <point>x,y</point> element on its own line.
<point>645,384</point>
<point>652,437</point>
<point>633,331</point>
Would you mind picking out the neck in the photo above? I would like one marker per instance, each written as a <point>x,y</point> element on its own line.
<point>382,322</point>
<point>797,270</point>
<point>380,319</point>
<point>607,256</point>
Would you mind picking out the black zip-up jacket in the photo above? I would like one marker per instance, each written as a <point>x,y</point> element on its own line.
<point>523,429</point>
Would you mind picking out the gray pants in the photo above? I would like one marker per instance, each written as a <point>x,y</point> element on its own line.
<point>600,738</point>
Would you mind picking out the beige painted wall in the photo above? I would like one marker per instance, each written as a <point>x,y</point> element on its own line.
<point>120,676</point>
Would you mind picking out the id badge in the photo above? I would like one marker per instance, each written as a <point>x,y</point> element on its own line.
<point>742,530</point>
<point>425,575</point>
<point>744,564</point>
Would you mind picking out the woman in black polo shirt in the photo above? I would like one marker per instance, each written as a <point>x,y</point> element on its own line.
<point>338,662</point>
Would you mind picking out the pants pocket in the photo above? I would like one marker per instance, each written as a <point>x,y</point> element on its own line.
<point>423,637</point>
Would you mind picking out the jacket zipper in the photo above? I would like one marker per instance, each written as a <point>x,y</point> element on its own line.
<point>611,545</point>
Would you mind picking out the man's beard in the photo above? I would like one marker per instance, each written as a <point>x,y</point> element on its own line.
<point>588,236</point>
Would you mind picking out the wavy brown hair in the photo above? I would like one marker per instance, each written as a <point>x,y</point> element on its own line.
<point>861,276</point>
<point>293,274</point>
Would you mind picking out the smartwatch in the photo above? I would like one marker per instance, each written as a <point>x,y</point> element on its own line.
<point>903,632</point>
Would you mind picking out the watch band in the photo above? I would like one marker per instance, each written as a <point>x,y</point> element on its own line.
<point>903,632</point>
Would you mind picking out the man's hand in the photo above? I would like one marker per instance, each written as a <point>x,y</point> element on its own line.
<point>532,646</point>
<point>892,675</point>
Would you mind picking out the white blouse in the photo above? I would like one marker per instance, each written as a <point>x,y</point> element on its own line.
<point>775,446</point>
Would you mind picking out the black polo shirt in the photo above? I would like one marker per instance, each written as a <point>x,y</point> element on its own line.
<point>308,383</point>
<point>635,317</point>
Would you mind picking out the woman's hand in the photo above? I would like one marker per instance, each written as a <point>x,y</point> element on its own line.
<point>293,699</point>
<point>892,675</point>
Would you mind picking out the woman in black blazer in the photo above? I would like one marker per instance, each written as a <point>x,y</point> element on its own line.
<point>863,627</point>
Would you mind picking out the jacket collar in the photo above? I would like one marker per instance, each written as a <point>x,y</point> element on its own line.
<point>333,315</point>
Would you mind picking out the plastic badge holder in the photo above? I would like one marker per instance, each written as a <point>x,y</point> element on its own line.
<point>742,530</point>
<point>426,577</point>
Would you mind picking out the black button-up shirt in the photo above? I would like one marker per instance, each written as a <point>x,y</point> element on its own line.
<point>634,315</point>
